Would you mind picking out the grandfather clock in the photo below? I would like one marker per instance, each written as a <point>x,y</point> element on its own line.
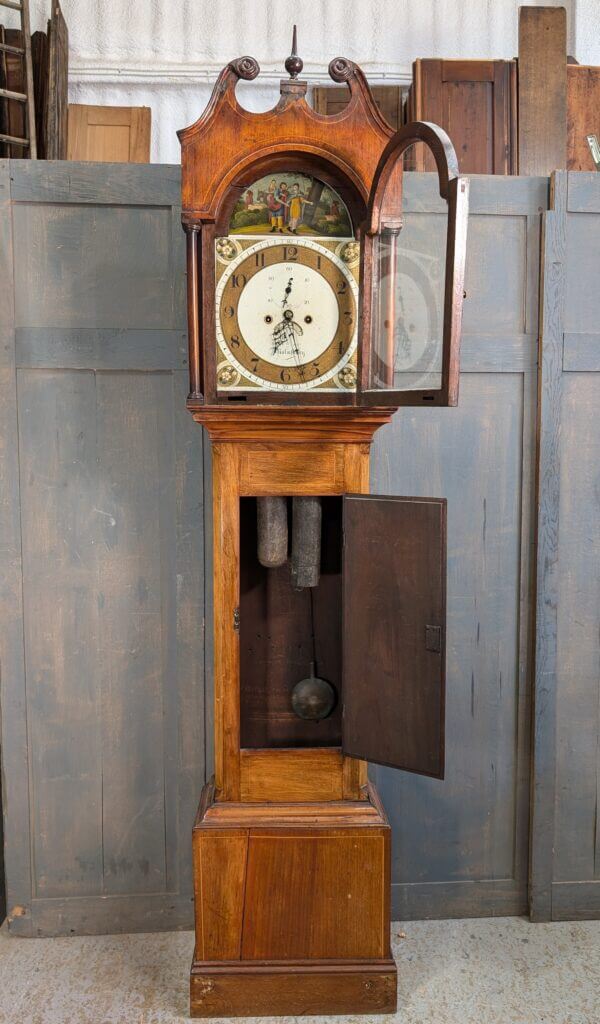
<point>314,312</point>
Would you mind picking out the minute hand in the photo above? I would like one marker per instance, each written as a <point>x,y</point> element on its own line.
<point>287,292</point>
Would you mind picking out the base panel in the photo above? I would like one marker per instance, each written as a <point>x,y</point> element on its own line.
<point>292,989</point>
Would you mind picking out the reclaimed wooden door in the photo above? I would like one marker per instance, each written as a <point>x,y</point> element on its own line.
<point>115,134</point>
<point>102,602</point>
<point>330,99</point>
<point>474,101</point>
<point>103,739</point>
<point>394,629</point>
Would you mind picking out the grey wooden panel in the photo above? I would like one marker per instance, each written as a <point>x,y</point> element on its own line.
<point>497,353</point>
<point>584,193</point>
<point>105,915</point>
<point>93,266</point>
<point>577,825</point>
<point>565,857</point>
<point>100,349</point>
<point>578,901</point>
<point>61,537</point>
<point>582,267</point>
<point>465,898</point>
<point>136,465</point>
<point>468,828</point>
<point>581,352</point>
<point>552,306</point>
<point>13,741</point>
<point>492,283</point>
<point>112,503</point>
<point>461,847</point>
<point>493,195</point>
<point>114,184</point>
<point>188,759</point>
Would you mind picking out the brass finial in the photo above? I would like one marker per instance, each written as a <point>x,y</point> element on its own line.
<point>294,63</point>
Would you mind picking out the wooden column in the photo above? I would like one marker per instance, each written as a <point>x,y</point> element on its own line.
<point>193,304</point>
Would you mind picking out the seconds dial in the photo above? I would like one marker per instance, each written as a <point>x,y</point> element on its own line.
<point>286,314</point>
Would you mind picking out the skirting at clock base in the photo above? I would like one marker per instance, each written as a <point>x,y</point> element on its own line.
<point>292,909</point>
<point>292,989</point>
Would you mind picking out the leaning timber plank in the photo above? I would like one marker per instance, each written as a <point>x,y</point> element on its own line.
<point>542,89</point>
<point>13,722</point>
<point>551,328</point>
<point>58,69</point>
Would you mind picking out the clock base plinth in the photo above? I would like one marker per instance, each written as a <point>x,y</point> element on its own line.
<point>292,909</point>
<point>242,989</point>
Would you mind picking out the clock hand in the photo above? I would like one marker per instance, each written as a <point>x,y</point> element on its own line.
<point>287,291</point>
<point>295,331</point>
<point>278,335</point>
<point>280,331</point>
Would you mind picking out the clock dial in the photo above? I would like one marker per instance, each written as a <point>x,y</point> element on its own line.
<point>287,318</point>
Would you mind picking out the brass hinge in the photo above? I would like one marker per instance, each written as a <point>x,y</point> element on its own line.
<point>236,619</point>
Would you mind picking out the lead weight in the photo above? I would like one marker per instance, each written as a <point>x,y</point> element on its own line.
<point>272,529</point>
<point>306,542</point>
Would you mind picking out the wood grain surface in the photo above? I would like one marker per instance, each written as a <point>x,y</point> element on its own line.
<point>114,134</point>
<point>299,989</point>
<point>542,121</point>
<point>475,102</point>
<point>583,114</point>
<point>394,631</point>
<point>552,285</point>
<point>283,888</point>
<point>111,514</point>
<point>284,468</point>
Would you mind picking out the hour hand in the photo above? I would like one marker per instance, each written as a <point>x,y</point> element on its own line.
<point>287,291</point>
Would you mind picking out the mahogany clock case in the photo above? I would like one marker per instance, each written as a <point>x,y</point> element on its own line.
<point>291,847</point>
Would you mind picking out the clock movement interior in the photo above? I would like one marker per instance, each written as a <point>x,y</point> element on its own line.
<point>290,621</point>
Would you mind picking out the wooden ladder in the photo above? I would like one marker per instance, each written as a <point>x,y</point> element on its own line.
<point>29,140</point>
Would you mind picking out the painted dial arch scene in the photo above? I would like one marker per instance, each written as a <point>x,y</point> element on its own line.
<point>287,290</point>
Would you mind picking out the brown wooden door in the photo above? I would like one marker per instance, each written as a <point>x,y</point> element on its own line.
<point>583,115</point>
<point>331,99</point>
<point>115,134</point>
<point>394,625</point>
<point>475,102</point>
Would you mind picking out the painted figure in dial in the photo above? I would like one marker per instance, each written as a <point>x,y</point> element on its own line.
<point>287,310</point>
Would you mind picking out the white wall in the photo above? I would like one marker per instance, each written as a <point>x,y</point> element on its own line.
<point>166,53</point>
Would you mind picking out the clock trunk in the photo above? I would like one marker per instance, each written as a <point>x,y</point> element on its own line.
<point>284,631</point>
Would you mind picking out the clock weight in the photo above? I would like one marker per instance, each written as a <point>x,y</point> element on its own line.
<point>272,530</point>
<point>306,542</point>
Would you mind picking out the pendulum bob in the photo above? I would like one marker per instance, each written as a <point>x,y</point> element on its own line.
<point>306,542</point>
<point>272,529</point>
<point>313,698</point>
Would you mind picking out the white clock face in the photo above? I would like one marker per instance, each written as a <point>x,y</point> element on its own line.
<point>286,313</point>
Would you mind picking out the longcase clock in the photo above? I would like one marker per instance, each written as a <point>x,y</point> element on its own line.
<point>315,310</point>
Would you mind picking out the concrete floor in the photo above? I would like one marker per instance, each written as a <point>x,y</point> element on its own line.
<point>502,971</point>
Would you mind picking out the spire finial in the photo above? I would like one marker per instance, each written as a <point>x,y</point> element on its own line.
<point>294,64</point>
